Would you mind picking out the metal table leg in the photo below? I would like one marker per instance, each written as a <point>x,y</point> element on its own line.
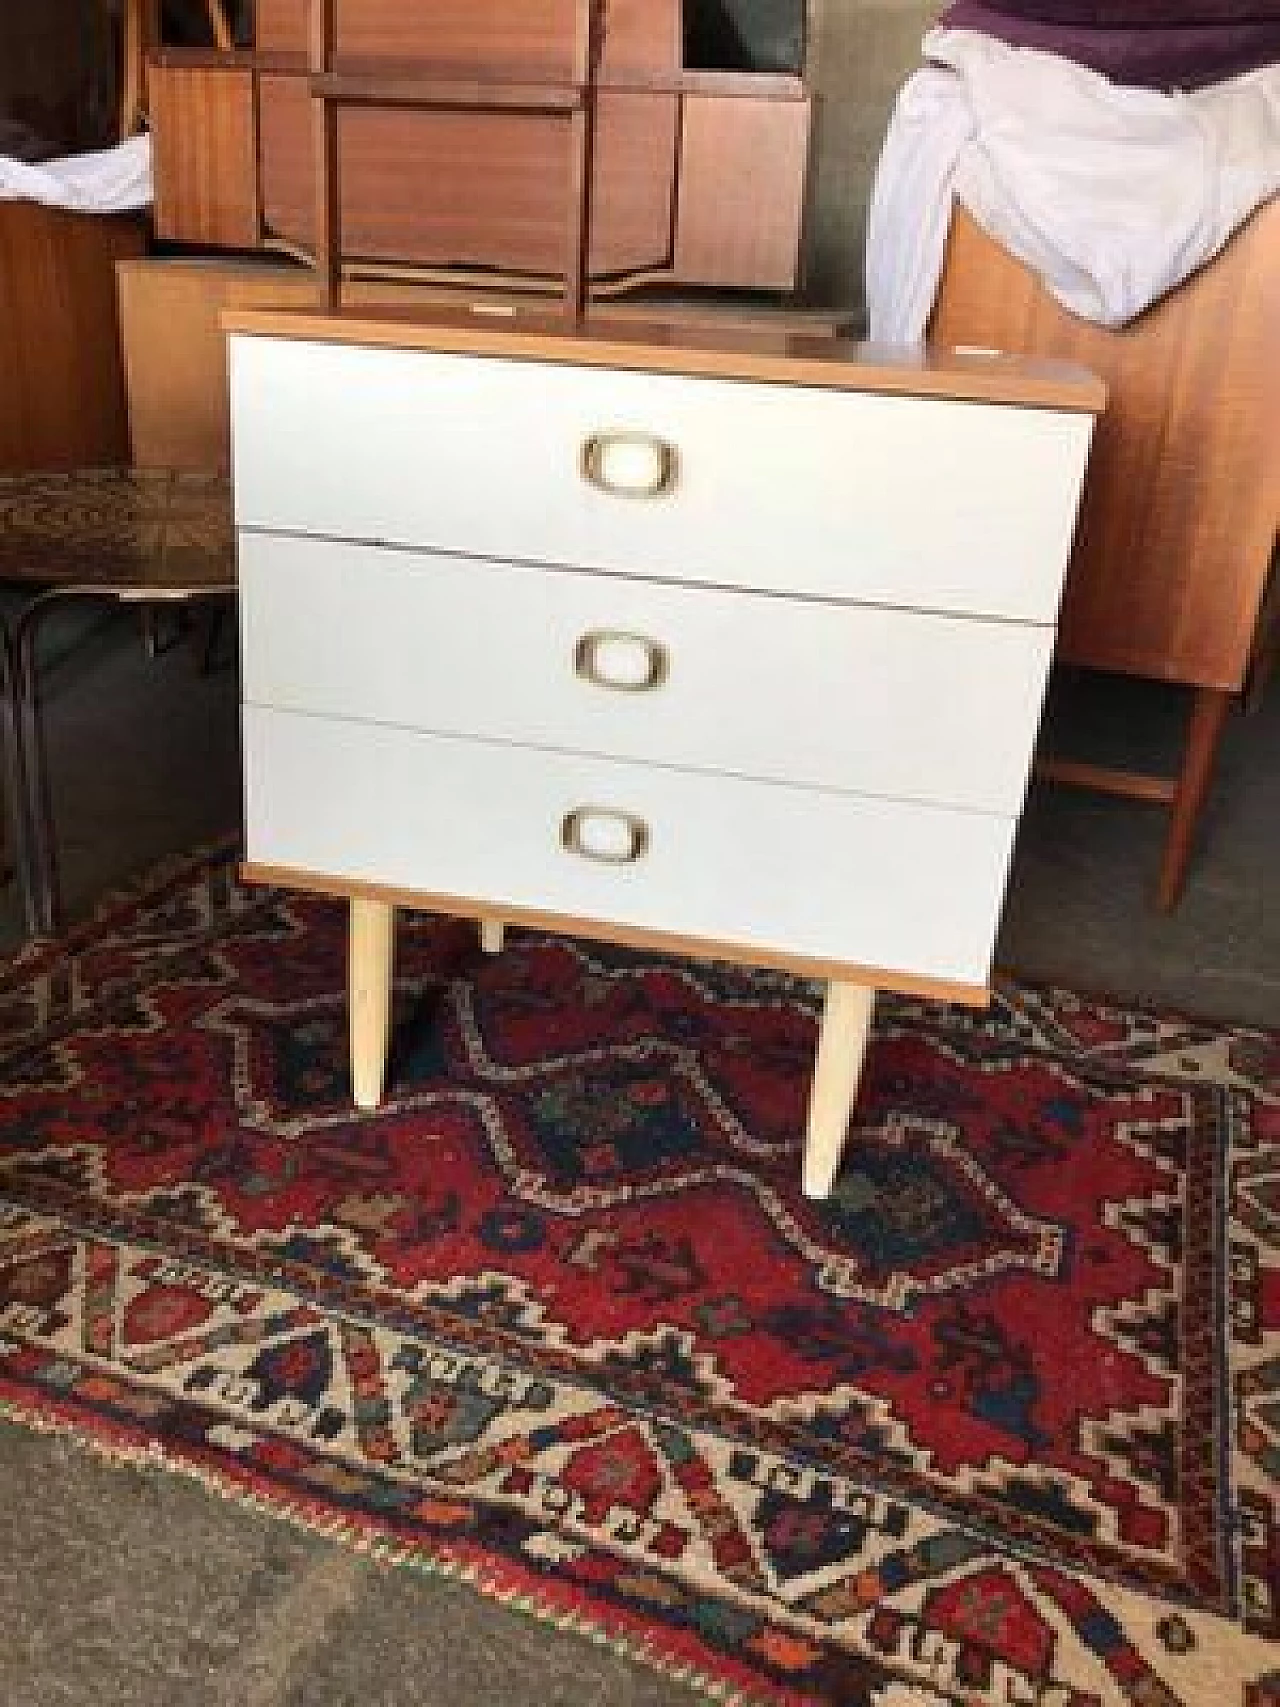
<point>30,780</point>
<point>14,778</point>
<point>41,895</point>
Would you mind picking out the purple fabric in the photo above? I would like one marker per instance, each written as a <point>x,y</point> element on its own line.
<point>1143,14</point>
<point>1157,56</point>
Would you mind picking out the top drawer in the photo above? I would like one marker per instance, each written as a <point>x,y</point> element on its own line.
<point>845,495</point>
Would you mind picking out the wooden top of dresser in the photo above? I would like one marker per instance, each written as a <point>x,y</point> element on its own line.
<point>783,357</point>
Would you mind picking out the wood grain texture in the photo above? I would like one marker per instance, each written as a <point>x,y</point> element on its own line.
<point>280,26</point>
<point>286,158</point>
<point>633,182</point>
<point>175,356</point>
<point>536,35</point>
<point>742,185</point>
<point>1182,498</point>
<point>447,187</point>
<point>483,189</point>
<point>847,1011</point>
<point>205,149</point>
<point>411,87</point>
<point>370,959</point>
<point>724,352</point>
<point>1208,720</point>
<point>62,398</point>
<point>326,189</point>
<point>1106,779</point>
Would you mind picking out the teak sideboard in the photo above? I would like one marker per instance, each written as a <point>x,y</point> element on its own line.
<point>454,146</point>
<point>735,645</point>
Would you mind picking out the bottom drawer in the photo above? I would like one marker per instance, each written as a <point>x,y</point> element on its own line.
<point>833,878</point>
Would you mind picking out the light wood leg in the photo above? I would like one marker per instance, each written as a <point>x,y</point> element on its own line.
<point>369,961</point>
<point>842,1048</point>
<point>491,936</point>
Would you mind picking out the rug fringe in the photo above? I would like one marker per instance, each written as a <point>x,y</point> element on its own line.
<point>313,1520</point>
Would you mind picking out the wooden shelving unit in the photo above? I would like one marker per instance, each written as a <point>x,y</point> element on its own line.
<point>454,133</point>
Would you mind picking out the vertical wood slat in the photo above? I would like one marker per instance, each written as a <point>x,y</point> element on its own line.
<point>328,237</point>
<point>587,44</point>
<point>575,270</point>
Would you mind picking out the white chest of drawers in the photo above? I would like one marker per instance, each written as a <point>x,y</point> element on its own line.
<point>738,649</point>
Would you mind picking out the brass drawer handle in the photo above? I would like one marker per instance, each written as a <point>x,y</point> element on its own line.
<point>608,837</point>
<point>628,663</point>
<point>630,465</point>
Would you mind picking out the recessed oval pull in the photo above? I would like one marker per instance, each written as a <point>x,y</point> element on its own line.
<point>630,465</point>
<point>606,836</point>
<point>628,663</point>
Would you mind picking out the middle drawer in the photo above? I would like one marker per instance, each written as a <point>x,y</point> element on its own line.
<point>887,702</point>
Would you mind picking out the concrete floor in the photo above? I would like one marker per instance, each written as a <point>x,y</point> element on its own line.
<point>129,1590</point>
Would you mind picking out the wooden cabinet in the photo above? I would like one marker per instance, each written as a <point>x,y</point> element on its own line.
<point>204,121</point>
<point>698,173</point>
<point>1181,513</point>
<point>62,395</point>
<point>534,36</point>
<point>709,674</point>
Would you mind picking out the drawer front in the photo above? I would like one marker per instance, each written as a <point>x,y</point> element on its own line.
<point>847,697</point>
<point>878,884</point>
<point>950,506</point>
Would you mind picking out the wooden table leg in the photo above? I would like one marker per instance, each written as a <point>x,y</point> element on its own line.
<point>370,953</point>
<point>1208,717</point>
<point>842,1048</point>
<point>491,935</point>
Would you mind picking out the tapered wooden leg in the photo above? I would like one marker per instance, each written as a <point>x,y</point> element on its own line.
<point>369,996</point>
<point>1208,716</point>
<point>491,935</point>
<point>842,1048</point>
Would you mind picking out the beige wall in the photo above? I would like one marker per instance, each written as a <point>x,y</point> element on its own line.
<point>861,52</point>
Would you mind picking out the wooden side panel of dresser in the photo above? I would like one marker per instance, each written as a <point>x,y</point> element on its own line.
<point>204,125</point>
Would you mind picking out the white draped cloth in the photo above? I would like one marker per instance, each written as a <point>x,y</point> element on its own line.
<point>110,180</point>
<point>1111,194</point>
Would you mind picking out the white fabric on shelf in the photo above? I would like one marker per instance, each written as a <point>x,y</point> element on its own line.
<point>1112,195</point>
<point>111,180</point>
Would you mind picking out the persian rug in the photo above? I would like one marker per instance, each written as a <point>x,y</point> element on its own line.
<point>999,1423</point>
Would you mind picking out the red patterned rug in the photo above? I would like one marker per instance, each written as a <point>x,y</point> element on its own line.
<point>999,1423</point>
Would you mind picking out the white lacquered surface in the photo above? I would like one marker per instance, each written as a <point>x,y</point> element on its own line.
<point>791,870</point>
<point>950,506</point>
<point>842,697</point>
